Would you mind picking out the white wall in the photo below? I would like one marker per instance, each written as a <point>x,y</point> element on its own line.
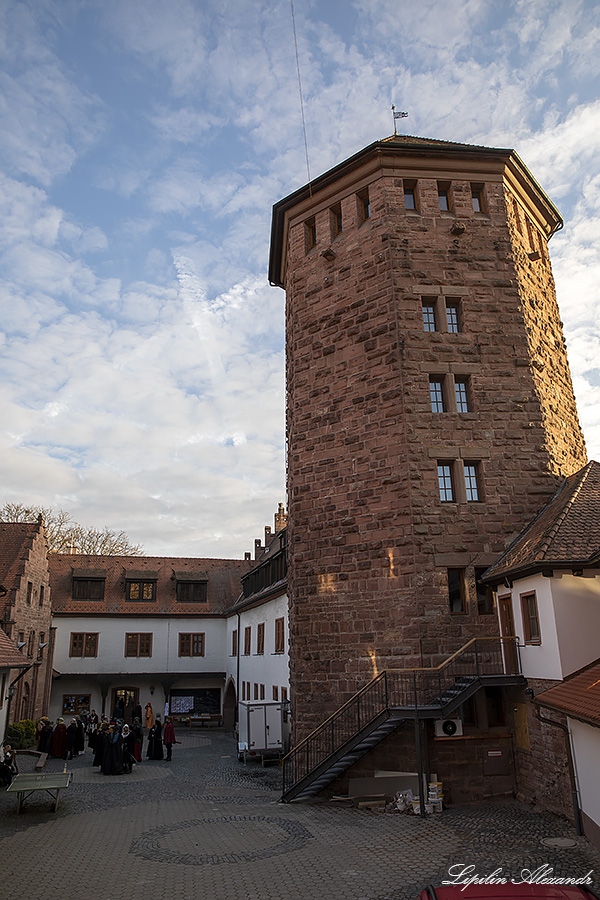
<point>577,613</point>
<point>111,632</point>
<point>537,660</point>
<point>586,753</point>
<point>268,668</point>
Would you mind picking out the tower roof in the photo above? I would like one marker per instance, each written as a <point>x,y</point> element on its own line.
<point>411,149</point>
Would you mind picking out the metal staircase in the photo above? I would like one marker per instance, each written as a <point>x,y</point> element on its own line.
<point>389,700</point>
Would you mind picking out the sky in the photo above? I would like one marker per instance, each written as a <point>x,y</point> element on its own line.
<point>142,146</point>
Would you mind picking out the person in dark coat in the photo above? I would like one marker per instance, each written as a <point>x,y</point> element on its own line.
<point>128,748</point>
<point>100,743</point>
<point>112,761</point>
<point>169,737</point>
<point>59,740</point>
<point>138,733</point>
<point>71,739</point>
<point>80,740</point>
<point>44,735</point>
<point>155,747</point>
<point>137,713</point>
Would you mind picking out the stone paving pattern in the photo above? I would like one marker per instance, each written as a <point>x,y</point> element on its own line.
<point>207,826</point>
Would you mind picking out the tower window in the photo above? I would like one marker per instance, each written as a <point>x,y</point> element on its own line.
<point>456,591</point>
<point>452,317</point>
<point>472,486</point>
<point>444,197</point>
<point>310,231</point>
<point>410,196</point>
<point>477,197</point>
<point>364,206</point>
<point>461,388</point>
<point>429,322</point>
<point>445,482</point>
<point>336,220</point>
<point>436,394</point>
<point>485,597</point>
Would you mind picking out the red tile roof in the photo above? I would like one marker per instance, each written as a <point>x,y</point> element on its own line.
<point>223,577</point>
<point>578,696</point>
<point>10,655</point>
<point>565,533</point>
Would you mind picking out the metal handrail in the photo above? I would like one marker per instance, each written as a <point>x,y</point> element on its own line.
<point>400,688</point>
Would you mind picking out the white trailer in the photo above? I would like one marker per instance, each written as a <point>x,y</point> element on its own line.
<point>262,729</point>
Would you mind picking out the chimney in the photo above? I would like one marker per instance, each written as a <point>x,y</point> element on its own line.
<point>257,548</point>
<point>280,518</point>
<point>267,534</point>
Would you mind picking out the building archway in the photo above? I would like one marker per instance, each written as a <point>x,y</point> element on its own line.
<point>230,706</point>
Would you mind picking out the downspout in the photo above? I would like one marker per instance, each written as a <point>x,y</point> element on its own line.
<point>576,809</point>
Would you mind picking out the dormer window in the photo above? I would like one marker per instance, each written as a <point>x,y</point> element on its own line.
<point>88,588</point>
<point>140,591</point>
<point>192,591</point>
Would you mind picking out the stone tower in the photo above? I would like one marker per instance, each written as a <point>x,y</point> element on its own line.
<point>430,406</point>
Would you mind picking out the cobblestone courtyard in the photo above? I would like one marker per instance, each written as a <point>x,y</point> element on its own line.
<point>207,826</point>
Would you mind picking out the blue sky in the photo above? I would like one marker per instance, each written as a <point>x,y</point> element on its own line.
<point>142,145</point>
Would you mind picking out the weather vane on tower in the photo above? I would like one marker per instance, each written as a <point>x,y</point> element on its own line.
<point>398,115</point>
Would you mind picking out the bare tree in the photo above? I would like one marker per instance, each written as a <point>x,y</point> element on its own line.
<point>64,535</point>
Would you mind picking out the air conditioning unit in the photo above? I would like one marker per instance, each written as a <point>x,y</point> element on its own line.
<point>448,727</point>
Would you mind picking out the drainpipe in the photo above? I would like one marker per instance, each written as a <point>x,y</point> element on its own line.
<point>576,809</point>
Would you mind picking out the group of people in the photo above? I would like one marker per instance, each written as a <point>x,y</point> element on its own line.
<point>117,747</point>
<point>60,740</point>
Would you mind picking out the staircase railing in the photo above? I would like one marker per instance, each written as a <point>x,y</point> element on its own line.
<point>409,690</point>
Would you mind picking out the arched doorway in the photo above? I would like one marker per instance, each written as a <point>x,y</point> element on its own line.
<point>229,706</point>
<point>124,702</point>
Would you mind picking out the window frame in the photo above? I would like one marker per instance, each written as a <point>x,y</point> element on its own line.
<point>484,594</point>
<point>462,394</point>
<point>310,234</point>
<point>429,313</point>
<point>337,222</point>
<point>79,582</point>
<point>364,205</point>
<point>453,320</point>
<point>188,644</point>
<point>409,189</point>
<point>260,639</point>
<point>478,196</point>
<point>142,641</point>
<point>88,640</point>
<point>247,640</point>
<point>473,488</point>
<point>280,634</point>
<point>444,196</point>
<point>437,394</point>
<point>234,642</point>
<point>197,586</point>
<point>462,588</point>
<point>529,615</point>
<point>142,582</point>
<point>446,481</point>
